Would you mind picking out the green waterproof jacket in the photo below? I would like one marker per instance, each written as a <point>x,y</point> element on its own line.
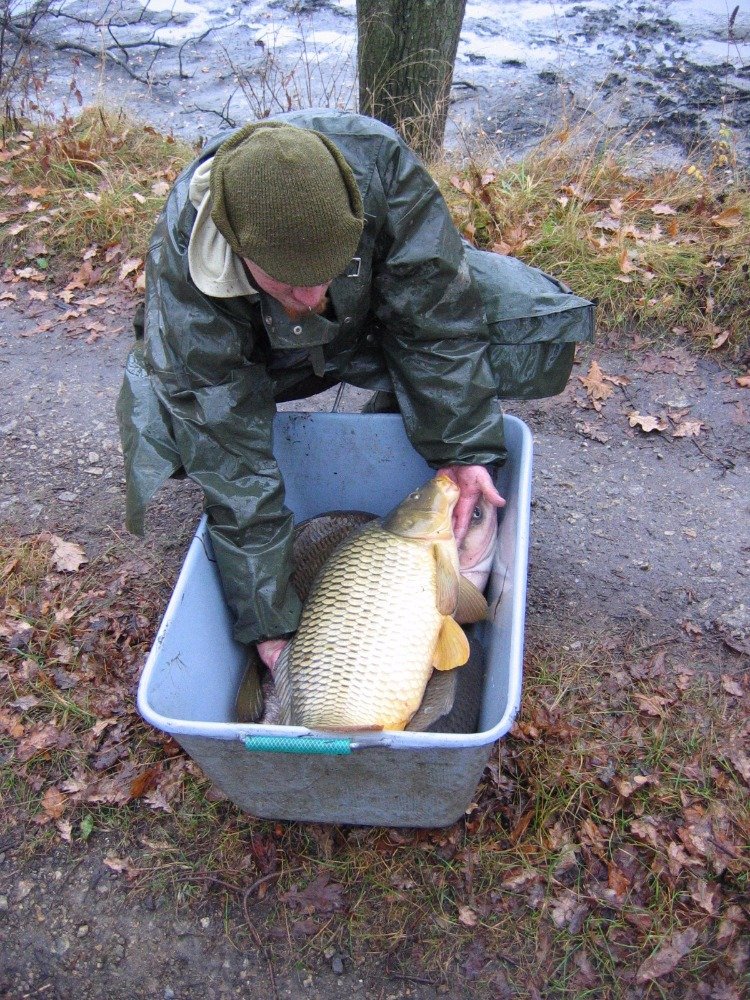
<point>448,328</point>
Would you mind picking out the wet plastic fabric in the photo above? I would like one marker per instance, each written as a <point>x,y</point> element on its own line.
<point>416,312</point>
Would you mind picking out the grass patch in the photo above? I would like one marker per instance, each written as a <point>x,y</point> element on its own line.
<point>605,852</point>
<point>664,252</point>
<point>84,192</point>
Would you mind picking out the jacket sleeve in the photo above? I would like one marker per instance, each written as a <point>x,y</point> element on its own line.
<point>434,333</point>
<point>221,408</point>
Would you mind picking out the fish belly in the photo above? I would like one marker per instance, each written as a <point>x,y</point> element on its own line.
<point>362,655</point>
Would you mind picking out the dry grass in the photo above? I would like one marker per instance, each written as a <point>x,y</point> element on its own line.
<point>83,190</point>
<point>664,252</point>
<point>605,853</point>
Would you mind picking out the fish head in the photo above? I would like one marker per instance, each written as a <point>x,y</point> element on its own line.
<point>476,551</point>
<point>426,514</point>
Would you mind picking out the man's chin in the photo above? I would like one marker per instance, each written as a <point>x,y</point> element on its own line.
<point>294,312</point>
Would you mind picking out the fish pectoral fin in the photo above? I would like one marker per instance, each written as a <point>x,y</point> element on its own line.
<point>452,648</point>
<point>471,606</point>
<point>447,581</point>
<point>283,684</point>
<point>438,699</point>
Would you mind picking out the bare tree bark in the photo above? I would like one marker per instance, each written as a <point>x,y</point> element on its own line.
<point>405,54</point>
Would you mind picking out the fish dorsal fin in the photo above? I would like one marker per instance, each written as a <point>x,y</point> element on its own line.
<point>283,683</point>
<point>471,606</point>
<point>447,580</point>
<point>438,699</point>
<point>452,648</point>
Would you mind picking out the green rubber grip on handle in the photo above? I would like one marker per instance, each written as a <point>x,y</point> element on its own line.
<point>299,744</point>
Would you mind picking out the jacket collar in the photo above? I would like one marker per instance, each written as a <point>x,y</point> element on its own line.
<point>214,267</point>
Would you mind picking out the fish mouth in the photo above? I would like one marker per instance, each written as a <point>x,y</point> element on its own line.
<point>426,514</point>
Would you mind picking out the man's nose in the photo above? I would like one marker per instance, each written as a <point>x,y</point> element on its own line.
<point>309,296</point>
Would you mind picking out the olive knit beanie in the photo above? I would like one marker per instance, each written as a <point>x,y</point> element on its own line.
<point>285,198</point>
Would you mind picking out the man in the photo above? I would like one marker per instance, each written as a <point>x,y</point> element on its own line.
<point>294,254</point>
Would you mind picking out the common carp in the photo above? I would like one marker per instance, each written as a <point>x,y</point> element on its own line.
<point>379,617</point>
<point>477,550</point>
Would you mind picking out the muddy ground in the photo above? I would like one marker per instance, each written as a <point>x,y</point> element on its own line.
<point>630,530</point>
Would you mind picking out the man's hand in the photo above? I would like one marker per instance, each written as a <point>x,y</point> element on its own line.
<point>270,650</point>
<point>473,481</point>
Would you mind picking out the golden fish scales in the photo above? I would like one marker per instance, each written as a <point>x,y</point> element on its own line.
<point>374,606</point>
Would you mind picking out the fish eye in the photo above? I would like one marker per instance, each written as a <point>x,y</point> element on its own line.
<point>476,514</point>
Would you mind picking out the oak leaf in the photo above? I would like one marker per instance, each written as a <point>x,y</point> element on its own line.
<point>666,958</point>
<point>688,428</point>
<point>647,423</point>
<point>595,385</point>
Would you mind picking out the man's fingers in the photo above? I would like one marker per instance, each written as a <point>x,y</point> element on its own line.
<point>269,651</point>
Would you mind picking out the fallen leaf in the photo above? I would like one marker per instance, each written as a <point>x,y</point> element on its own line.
<point>568,911</point>
<point>467,916</point>
<point>740,761</point>
<point>688,428</point>
<point>662,209</point>
<point>597,388</point>
<point>626,264</point>
<point>67,557</point>
<point>728,219</point>
<point>54,803</point>
<point>666,958</point>
<point>162,188</point>
<point>319,896</point>
<point>708,897</point>
<point>592,431</point>
<point>720,339</point>
<point>653,704</point>
<point>731,686</point>
<point>65,829</point>
<point>743,381</point>
<point>626,786</point>
<point>129,266</point>
<point>647,423</point>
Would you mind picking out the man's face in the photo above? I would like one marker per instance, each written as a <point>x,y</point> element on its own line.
<point>297,300</point>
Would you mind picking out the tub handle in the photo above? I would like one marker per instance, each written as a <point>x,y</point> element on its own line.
<point>298,744</point>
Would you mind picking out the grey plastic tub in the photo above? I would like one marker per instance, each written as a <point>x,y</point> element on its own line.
<point>337,461</point>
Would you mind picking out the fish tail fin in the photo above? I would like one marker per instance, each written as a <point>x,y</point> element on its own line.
<point>452,648</point>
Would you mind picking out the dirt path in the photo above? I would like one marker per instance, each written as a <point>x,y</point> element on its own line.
<point>630,530</point>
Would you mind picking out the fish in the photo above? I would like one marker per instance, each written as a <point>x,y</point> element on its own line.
<point>476,552</point>
<point>451,700</point>
<point>315,539</point>
<point>380,615</point>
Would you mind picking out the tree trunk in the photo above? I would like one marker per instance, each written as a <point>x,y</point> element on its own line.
<point>405,55</point>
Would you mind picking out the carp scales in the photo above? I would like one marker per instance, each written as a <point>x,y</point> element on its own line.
<point>380,615</point>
